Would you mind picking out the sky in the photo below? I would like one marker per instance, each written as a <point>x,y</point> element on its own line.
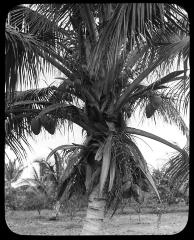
<point>155,153</point>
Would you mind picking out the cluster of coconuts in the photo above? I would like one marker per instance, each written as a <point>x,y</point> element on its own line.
<point>46,121</point>
<point>153,105</point>
<point>135,191</point>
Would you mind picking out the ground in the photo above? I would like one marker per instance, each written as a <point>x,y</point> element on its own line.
<point>126,223</point>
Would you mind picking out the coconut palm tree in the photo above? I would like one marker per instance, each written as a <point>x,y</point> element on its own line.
<point>53,172</point>
<point>116,59</point>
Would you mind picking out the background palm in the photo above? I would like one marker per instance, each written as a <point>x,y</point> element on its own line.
<point>52,171</point>
<point>13,171</point>
<point>106,52</point>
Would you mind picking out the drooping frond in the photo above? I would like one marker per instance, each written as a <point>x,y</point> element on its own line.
<point>156,138</point>
<point>134,23</point>
<point>128,175</point>
<point>37,183</point>
<point>17,145</point>
<point>180,93</point>
<point>72,179</point>
<point>27,105</point>
<point>20,59</point>
<point>177,168</point>
<point>161,56</point>
<point>31,43</point>
<point>170,114</point>
<point>53,171</point>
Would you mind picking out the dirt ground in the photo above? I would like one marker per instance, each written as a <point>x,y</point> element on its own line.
<point>30,223</point>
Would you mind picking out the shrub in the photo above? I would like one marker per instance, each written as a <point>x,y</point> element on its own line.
<point>34,200</point>
<point>10,199</point>
<point>74,204</point>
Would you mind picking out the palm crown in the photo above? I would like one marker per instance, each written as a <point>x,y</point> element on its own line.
<point>115,59</point>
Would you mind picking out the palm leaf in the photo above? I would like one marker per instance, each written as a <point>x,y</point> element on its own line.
<point>88,17</point>
<point>168,78</point>
<point>112,173</point>
<point>170,114</point>
<point>52,108</point>
<point>99,153</point>
<point>26,102</point>
<point>20,56</point>
<point>177,168</point>
<point>141,163</point>
<point>62,147</point>
<point>88,177</point>
<point>165,53</point>
<point>105,163</point>
<point>154,137</point>
<point>180,92</point>
<point>33,46</point>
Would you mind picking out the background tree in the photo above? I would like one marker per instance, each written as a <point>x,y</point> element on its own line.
<point>52,172</point>
<point>12,172</point>
<point>163,184</point>
<point>38,191</point>
<point>177,170</point>
<point>116,59</point>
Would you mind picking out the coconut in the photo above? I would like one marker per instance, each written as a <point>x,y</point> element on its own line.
<point>48,123</point>
<point>156,101</point>
<point>126,186</point>
<point>36,126</point>
<point>149,110</point>
<point>127,194</point>
<point>137,193</point>
<point>51,128</point>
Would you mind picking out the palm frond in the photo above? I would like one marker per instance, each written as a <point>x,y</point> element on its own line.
<point>170,114</point>
<point>20,59</point>
<point>17,142</point>
<point>129,170</point>
<point>157,84</point>
<point>35,50</point>
<point>105,163</point>
<point>156,138</point>
<point>118,29</point>
<point>177,168</point>
<point>62,147</point>
<point>36,107</point>
<point>141,163</point>
<point>27,105</point>
<point>57,14</point>
<point>88,17</point>
<point>180,92</point>
<point>164,53</point>
<point>72,177</point>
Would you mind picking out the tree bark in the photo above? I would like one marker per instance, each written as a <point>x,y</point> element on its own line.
<point>93,222</point>
<point>57,208</point>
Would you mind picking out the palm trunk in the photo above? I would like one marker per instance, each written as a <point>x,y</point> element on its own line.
<point>57,208</point>
<point>93,222</point>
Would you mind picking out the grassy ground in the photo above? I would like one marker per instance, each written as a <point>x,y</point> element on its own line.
<point>127,223</point>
